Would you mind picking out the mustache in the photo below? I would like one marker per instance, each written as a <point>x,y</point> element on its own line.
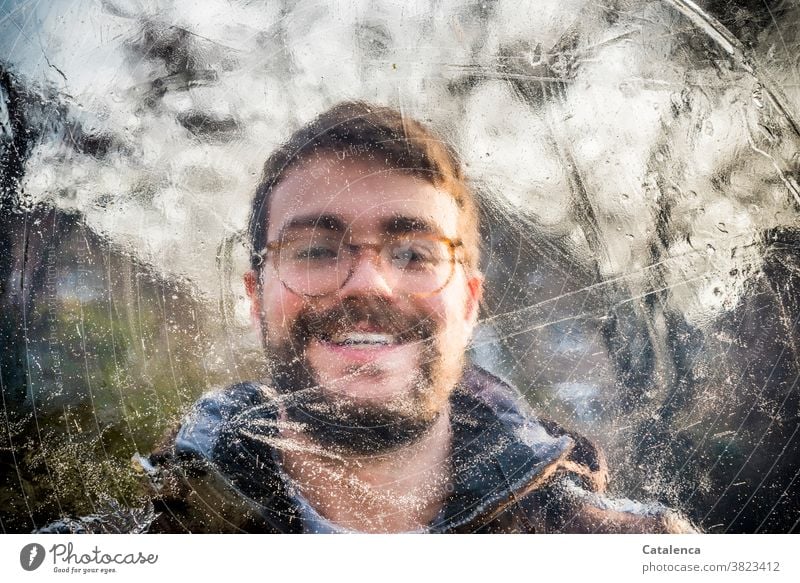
<point>379,313</point>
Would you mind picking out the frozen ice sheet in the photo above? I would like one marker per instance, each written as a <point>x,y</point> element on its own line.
<point>637,165</point>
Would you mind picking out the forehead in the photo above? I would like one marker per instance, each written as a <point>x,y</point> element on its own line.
<point>363,195</point>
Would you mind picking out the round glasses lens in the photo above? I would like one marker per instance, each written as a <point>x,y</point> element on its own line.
<point>420,264</point>
<point>313,265</point>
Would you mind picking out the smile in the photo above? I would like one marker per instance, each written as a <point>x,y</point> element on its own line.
<point>363,339</point>
<point>360,346</point>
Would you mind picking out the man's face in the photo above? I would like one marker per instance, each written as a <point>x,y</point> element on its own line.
<point>370,353</point>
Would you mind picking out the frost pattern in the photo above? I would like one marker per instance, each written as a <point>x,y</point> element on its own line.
<point>637,163</point>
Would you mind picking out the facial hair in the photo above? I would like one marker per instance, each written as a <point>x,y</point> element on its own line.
<point>338,422</point>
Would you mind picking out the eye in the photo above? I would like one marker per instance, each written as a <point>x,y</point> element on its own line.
<point>315,253</point>
<point>413,255</point>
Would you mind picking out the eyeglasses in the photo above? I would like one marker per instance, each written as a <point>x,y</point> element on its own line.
<point>317,263</point>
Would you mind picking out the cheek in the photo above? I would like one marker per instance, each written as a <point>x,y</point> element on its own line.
<point>450,319</point>
<point>280,308</point>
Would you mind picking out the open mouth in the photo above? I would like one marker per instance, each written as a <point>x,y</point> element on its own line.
<point>362,330</point>
<point>364,339</point>
<point>362,347</point>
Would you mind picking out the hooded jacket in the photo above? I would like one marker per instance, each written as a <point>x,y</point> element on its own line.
<point>512,472</point>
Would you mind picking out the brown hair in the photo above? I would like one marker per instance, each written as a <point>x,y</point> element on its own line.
<point>373,133</point>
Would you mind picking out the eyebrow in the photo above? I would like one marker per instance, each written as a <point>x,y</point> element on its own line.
<point>401,225</point>
<point>395,225</point>
<point>327,222</point>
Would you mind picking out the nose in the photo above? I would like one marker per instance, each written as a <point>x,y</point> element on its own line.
<point>367,277</point>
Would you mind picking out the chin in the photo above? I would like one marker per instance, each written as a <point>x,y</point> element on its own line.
<point>368,408</point>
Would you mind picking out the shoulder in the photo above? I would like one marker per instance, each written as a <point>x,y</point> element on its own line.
<point>205,477</point>
<point>569,494</point>
<point>584,511</point>
<point>202,428</point>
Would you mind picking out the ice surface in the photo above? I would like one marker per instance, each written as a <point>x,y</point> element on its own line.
<point>637,165</point>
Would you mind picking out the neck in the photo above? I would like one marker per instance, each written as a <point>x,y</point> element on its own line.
<point>400,491</point>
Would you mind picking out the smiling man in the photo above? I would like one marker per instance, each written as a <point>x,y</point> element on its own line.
<point>365,285</point>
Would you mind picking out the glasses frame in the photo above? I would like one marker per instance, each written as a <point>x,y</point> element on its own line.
<point>272,247</point>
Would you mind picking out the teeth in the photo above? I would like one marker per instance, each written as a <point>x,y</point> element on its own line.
<point>363,338</point>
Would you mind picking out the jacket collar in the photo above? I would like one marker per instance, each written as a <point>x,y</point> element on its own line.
<point>500,450</point>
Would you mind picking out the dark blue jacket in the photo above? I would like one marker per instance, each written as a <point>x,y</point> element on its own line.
<point>512,472</point>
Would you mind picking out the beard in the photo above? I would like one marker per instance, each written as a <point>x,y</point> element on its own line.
<point>347,425</point>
